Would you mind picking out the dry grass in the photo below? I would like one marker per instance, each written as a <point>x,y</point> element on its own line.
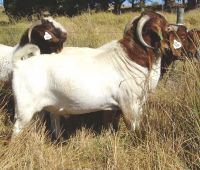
<point>170,132</point>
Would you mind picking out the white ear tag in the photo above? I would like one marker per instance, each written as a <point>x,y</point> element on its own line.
<point>177,44</point>
<point>47,36</point>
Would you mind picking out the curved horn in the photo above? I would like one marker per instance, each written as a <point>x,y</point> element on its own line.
<point>39,22</point>
<point>140,26</point>
<point>129,24</point>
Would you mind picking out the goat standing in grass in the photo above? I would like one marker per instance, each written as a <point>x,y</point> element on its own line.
<point>78,82</point>
<point>48,36</point>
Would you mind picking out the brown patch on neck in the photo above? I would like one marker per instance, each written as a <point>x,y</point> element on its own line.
<point>135,51</point>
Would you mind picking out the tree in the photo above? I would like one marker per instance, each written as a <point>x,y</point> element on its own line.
<point>20,8</point>
<point>142,4</point>
<point>104,4</point>
<point>169,4</point>
<point>191,4</point>
<point>117,5</point>
<point>197,3</point>
<point>133,2</point>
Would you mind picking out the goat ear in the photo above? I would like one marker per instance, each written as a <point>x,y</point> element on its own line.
<point>159,33</point>
<point>49,36</point>
<point>175,45</point>
<point>46,35</point>
<point>157,36</point>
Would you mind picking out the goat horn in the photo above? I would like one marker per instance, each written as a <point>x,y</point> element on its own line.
<point>140,26</point>
<point>129,24</point>
<point>39,22</point>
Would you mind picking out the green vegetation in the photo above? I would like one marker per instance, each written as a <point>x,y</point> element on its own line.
<point>170,131</point>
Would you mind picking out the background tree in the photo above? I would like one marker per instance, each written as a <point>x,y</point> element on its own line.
<point>133,2</point>
<point>117,5</point>
<point>191,4</point>
<point>18,8</point>
<point>142,4</point>
<point>198,3</point>
<point>104,4</point>
<point>168,4</point>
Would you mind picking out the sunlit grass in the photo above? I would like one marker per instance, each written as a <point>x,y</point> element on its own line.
<point>169,137</point>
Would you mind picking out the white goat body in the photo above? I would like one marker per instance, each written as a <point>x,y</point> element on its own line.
<point>116,76</point>
<point>5,62</point>
<point>81,81</point>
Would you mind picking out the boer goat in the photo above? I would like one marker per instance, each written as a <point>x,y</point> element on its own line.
<point>47,34</point>
<point>110,118</point>
<point>83,81</point>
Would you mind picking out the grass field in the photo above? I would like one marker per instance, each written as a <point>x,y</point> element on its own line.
<point>170,131</point>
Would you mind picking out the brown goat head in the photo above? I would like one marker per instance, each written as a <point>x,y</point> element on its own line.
<point>47,34</point>
<point>151,34</point>
<point>147,35</point>
<point>178,43</point>
<point>190,41</point>
<point>178,39</point>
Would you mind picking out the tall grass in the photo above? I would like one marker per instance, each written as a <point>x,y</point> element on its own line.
<point>169,137</point>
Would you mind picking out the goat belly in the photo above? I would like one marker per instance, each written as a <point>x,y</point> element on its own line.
<point>82,100</point>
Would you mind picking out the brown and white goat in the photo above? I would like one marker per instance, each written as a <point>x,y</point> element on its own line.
<point>190,45</point>
<point>48,36</point>
<point>118,78</point>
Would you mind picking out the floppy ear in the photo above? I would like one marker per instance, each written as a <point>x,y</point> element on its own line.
<point>157,36</point>
<point>51,37</point>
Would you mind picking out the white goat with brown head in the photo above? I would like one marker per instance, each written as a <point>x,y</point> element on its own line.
<point>82,81</point>
<point>48,36</point>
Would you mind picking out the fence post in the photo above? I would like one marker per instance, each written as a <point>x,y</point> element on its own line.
<point>180,15</point>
